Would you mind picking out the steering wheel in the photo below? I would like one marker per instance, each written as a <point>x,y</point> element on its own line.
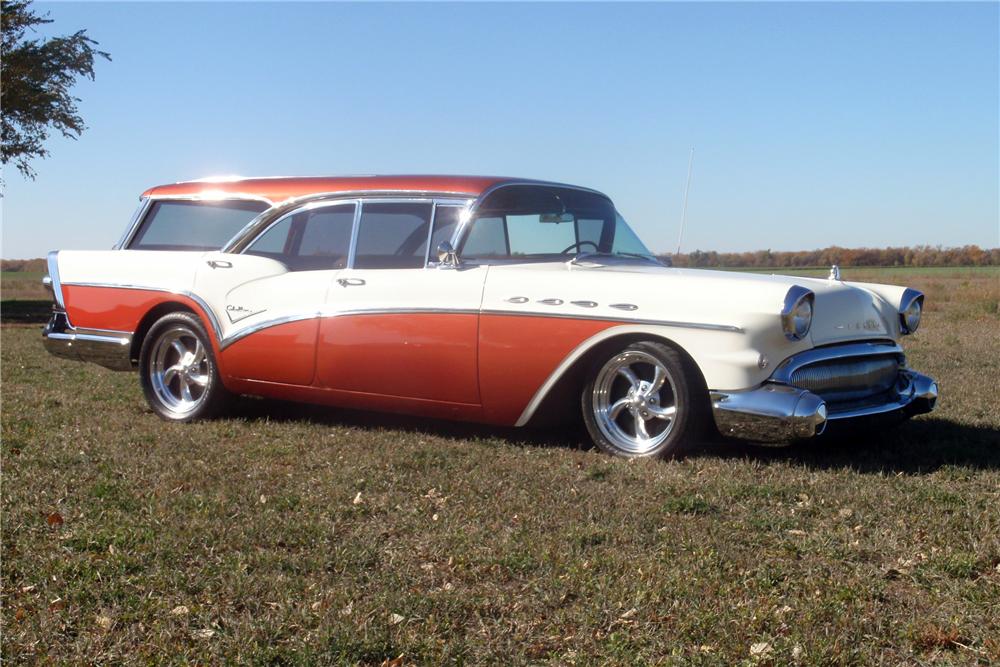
<point>578,244</point>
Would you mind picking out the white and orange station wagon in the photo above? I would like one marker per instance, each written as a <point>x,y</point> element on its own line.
<point>495,300</point>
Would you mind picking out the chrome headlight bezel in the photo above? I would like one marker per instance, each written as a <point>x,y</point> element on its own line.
<point>797,312</point>
<point>911,310</point>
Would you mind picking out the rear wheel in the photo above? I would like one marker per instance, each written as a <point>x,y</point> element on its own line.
<point>178,372</point>
<point>644,401</point>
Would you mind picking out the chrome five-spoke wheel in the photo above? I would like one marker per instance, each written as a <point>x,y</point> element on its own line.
<point>638,401</point>
<point>177,369</point>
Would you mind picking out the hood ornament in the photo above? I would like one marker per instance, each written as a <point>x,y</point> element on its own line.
<point>834,273</point>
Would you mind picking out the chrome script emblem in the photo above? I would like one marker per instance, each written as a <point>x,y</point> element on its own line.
<point>237,313</point>
<point>868,325</point>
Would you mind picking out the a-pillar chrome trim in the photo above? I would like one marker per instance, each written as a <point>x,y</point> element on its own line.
<point>111,349</point>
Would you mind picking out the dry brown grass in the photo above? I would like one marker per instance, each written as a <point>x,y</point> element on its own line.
<point>299,535</point>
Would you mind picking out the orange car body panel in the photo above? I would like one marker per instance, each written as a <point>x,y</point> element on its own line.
<point>427,356</point>
<point>285,353</point>
<point>517,354</point>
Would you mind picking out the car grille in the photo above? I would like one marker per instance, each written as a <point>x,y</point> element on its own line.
<point>850,379</point>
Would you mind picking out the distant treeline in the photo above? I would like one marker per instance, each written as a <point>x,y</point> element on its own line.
<point>25,265</point>
<point>969,255</point>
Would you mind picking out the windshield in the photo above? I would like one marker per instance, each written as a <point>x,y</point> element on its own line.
<point>545,222</point>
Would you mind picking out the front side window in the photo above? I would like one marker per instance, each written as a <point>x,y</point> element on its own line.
<point>393,235</point>
<point>546,223</point>
<point>193,225</point>
<point>314,239</point>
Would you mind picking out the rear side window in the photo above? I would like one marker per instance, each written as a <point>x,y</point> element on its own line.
<point>312,240</point>
<point>393,235</point>
<point>194,225</point>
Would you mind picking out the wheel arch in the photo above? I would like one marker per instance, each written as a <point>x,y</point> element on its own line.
<point>151,317</point>
<point>558,397</point>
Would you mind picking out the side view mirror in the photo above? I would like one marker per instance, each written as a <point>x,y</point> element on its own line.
<point>447,255</point>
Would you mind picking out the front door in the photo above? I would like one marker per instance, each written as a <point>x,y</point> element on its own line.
<point>395,327</point>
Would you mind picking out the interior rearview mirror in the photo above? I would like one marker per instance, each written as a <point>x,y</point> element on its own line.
<point>556,218</point>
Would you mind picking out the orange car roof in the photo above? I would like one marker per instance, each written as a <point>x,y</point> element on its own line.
<point>278,189</point>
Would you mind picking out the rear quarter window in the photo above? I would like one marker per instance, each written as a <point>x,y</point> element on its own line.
<point>193,225</point>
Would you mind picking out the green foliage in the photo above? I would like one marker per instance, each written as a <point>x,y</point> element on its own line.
<point>37,77</point>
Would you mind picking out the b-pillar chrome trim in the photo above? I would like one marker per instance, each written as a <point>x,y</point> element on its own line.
<point>111,349</point>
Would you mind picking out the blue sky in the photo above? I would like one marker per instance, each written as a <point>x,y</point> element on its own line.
<point>813,124</point>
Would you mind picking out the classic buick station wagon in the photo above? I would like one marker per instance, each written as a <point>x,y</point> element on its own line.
<point>493,300</point>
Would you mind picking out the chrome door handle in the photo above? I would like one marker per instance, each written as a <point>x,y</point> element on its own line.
<point>350,282</point>
<point>220,264</point>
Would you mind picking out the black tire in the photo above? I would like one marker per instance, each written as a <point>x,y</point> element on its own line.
<point>614,403</point>
<point>169,376</point>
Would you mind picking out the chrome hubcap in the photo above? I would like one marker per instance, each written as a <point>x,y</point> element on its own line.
<point>635,402</point>
<point>179,370</point>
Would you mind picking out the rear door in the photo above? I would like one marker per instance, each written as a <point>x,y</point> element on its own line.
<point>269,298</point>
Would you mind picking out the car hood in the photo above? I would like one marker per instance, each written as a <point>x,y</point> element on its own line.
<point>843,311</point>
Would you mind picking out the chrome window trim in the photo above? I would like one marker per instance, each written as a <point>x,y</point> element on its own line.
<point>248,234</point>
<point>380,199</point>
<point>133,223</point>
<point>310,206</point>
<point>784,371</point>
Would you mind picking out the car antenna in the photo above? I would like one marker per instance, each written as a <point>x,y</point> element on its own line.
<point>684,210</point>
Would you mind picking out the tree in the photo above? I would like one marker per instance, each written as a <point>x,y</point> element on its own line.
<point>36,76</point>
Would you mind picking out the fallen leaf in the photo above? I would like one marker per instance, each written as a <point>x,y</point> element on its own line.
<point>346,611</point>
<point>630,613</point>
<point>54,519</point>
<point>395,662</point>
<point>434,517</point>
<point>357,499</point>
<point>263,499</point>
<point>104,622</point>
<point>27,589</point>
<point>760,649</point>
<point>19,614</point>
<point>796,531</point>
<point>179,610</point>
<point>204,633</point>
<point>57,605</point>
<point>396,619</point>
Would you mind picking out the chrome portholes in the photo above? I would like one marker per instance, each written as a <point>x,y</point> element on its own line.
<point>635,401</point>
<point>179,370</point>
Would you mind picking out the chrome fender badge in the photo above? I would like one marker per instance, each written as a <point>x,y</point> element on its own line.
<point>237,313</point>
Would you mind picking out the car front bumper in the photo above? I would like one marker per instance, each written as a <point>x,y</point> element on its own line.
<point>778,411</point>
<point>111,349</point>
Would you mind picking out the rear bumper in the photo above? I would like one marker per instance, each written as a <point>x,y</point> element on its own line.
<point>111,349</point>
<point>777,413</point>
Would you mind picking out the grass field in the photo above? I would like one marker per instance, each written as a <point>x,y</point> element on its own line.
<point>298,535</point>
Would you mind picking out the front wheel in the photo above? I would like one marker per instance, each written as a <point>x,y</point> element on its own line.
<point>644,401</point>
<point>178,372</point>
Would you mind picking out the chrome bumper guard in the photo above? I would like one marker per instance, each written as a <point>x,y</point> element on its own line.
<point>111,349</point>
<point>777,412</point>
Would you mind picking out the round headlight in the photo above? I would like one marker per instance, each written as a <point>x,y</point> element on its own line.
<point>911,307</point>
<point>797,313</point>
